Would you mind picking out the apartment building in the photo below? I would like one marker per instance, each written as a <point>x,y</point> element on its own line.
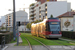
<point>21,16</point>
<point>31,12</point>
<point>45,8</point>
<point>2,20</point>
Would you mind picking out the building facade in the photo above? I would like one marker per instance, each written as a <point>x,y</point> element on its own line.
<point>43,1</point>
<point>31,12</point>
<point>74,22</point>
<point>44,9</point>
<point>2,20</point>
<point>21,16</point>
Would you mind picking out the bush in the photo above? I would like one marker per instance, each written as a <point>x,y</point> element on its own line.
<point>8,37</point>
<point>68,34</point>
<point>28,26</point>
<point>4,31</point>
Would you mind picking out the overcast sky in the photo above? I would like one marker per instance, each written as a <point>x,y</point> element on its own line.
<point>8,4</point>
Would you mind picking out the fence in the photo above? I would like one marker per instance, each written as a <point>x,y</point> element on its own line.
<point>68,34</point>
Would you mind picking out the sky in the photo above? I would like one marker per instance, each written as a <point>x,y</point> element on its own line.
<point>20,4</point>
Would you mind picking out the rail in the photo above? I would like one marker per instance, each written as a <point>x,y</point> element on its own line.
<point>28,43</point>
<point>42,44</point>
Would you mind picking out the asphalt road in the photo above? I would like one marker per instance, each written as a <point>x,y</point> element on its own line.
<point>41,48</point>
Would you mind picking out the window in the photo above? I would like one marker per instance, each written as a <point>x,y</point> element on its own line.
<point>46,14</point>
<point>45,4</point>
<point>55,27</point>
<point>39,7</point>
<point>47,26</point>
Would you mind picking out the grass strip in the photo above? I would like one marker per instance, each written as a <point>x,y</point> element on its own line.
<point>45,41</point>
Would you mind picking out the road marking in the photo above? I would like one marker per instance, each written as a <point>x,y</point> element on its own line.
<point>5,47</point>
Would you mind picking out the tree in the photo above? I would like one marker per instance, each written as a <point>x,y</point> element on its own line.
<point>40,20</point>
<point>28,26</point>
<point>36,21</point>
<point>3,28</point>
<point>51,16</point>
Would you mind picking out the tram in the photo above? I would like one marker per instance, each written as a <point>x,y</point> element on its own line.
<point>48,28</point>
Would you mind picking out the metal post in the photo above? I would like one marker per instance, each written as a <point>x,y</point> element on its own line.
<point>14,32</point>
<point>4,41</point>
<point>17,35</point>
<point>24,26</point>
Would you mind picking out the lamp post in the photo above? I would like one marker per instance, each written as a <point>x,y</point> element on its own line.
<point>14,32</point>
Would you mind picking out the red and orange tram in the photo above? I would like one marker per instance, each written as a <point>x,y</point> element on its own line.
<point>48,28</point>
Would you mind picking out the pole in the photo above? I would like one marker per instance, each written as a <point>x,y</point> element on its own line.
<point>24,26</point>
<point>17,35</point>
<point>14,32</point>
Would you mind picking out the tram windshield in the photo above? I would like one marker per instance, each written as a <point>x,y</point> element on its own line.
<point>54,26</point>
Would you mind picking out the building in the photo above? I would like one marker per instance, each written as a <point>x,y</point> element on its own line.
<point>67,21</point>
<point>21,16</point>
<point>2,20</point>
<point>74,22</point>
<point>43,1</point>
<point>45,8</point>
<point>31,12</point>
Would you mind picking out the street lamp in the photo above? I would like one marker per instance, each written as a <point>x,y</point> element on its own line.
<point>14,30</point>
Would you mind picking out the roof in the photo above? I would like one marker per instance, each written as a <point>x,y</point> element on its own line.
<point>67,14</point>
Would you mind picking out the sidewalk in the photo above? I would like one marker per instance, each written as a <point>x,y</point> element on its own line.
<point>67,39</point>
<point>12,44</point>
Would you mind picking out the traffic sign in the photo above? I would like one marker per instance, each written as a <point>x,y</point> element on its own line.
<point>19,34</point>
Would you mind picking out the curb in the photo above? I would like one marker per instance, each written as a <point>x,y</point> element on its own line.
<point>5,47</point>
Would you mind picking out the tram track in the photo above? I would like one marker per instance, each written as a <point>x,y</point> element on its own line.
<point>41,43</point>
<point>29,43</point>
<point>37,41</point>
<point>59,42</point>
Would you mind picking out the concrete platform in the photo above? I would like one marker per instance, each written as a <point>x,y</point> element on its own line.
<point>39,47</point>
<point>20,40</point>
<point>11,45</point>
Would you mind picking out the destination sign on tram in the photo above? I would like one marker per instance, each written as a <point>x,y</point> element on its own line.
<point>54,23</point>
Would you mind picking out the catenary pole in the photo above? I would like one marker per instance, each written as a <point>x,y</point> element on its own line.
<point>14,19</point>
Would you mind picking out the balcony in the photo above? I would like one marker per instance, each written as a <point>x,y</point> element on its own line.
<point>31,10</point>
<point>32,7</point>
<point>31,14</point>
<point>31,17</point>
<point>34,16</point>
<point>31,20</point>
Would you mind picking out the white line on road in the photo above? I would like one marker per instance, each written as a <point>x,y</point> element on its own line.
<point>5,47</point>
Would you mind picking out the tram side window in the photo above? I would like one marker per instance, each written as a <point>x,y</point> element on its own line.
<point>46,26</point>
